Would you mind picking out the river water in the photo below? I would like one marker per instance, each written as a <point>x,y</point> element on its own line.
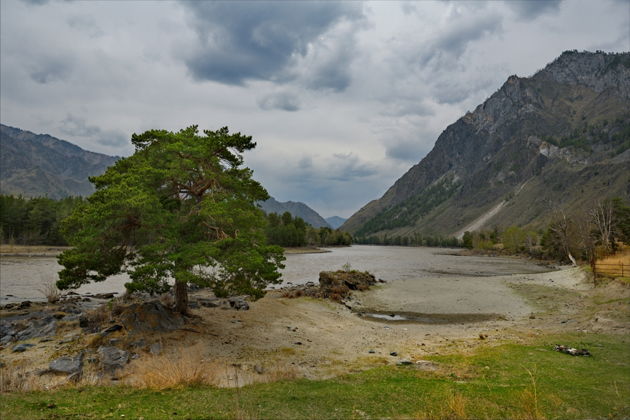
<point>25,277</point>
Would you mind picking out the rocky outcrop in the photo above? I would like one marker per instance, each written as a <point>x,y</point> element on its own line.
<point>558,139</point>
<point>112,358</point>
<point>149,316</point>
<point>335,281</point>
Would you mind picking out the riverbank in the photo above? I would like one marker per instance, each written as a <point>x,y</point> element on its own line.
<point>30,250</point>
<point>304,341</point>
<point>308,358</point>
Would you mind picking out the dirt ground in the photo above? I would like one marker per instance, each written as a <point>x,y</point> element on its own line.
<point>316,339</point>
<point>305,337</point>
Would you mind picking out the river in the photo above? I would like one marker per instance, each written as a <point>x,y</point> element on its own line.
<point>23,278</point>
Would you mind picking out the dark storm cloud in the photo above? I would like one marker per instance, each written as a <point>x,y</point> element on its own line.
<point>283,100</point>
<point>531,9</point>
<point>453,41</point>
<point>50,69</point>
<point>78,127</point>
<point>240,41</point>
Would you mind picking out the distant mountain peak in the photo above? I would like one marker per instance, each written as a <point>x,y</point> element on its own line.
<point>297,209</point>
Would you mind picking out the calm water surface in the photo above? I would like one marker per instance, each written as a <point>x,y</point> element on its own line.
<point>24,277</point>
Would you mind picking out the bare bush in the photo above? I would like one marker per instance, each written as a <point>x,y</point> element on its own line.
<point>50,291</point>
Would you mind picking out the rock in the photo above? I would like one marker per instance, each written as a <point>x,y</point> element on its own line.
<point>239,303</point>
<point>139,343</point>
<point>104,296</point>
<point>25,304</point>
<point>112,358</point>
<point>405,363</point>
<point>338,284</point>
<point>426,365</point>
<point>393,354</point>
<point>209,303</point>
<point>20,348</point>
<point>150,316</point>
<point>371,351</point>
<point>259,369</point>
<point>113,328</point>
<point>155,349</point>
<point>67,364</point>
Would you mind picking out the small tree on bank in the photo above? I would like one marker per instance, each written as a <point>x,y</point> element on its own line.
<point>181,208</point>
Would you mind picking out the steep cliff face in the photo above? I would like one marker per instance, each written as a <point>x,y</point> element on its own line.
<point>560,138</point>
<point>41,165</point>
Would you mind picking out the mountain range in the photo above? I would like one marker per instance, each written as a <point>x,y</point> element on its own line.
<point>559,140</point>
<point>38,165</point>
<point>297,209</point>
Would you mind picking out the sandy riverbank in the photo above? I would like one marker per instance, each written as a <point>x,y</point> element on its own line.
<point>306,337</point>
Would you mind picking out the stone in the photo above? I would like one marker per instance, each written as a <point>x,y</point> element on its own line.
<point>104,295</point>
<point>259,369</point>
<point>20,348</point>
<point>239,303</point>
<point>393,354</point>
<point>25,304</point>
<point>112,358</point>
<point>155,348</point>
<point>405,363</point>
<point>67,364</point>
<point>113,328</point>
<point>151,316</point>
<point>209,303</point>
<point>338,285</point>
<point>371,351</point>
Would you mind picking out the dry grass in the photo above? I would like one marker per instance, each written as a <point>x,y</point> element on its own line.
<point>162,372</point>
<point>31,249</point>
<point>611,266</point>
<point>50,291</point>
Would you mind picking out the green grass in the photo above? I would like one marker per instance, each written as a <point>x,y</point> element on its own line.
<point>508,381</point>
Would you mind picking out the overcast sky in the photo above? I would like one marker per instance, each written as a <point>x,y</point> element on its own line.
<point>342,98</point>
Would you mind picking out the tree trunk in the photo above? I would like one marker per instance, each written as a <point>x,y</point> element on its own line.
<point>181,297</point>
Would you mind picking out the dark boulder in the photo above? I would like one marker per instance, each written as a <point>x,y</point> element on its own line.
<point>150,316</point>
<point>67,364</point>
<point>239,303</point>
<point>112,358</point>
<point>338,285</point>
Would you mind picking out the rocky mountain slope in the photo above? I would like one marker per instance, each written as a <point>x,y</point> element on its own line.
<point>41,165</point>
<point>557,140</point>
<point>297,209</point>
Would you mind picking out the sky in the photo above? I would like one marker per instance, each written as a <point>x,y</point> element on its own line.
<point>342,98</point>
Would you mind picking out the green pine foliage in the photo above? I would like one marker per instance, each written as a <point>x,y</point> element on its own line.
<point>34,221</point>
<point>181,207</point>
<point>413,240</point>
<point>287,231</point>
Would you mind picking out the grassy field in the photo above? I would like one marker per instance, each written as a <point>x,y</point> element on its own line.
<point>507,381</point>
